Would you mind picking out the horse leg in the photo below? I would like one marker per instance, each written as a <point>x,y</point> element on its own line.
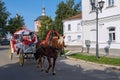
<point>53,67</point>
<point>38,64</point>
<point>50,64</point>
<point>42,60</point>
<point>39,61</point>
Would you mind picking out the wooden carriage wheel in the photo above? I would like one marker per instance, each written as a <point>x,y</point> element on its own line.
<point>10,54</point>
<point>21,58</point>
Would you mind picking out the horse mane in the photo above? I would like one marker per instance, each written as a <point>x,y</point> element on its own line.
<point>41,43</point>
<point>49,33</point>
<point>51,40</point>
<point>54,41</point>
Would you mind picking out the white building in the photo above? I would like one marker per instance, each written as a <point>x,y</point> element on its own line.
<point>37,21</point>
<point>108,25</point>
<point>72,30</point>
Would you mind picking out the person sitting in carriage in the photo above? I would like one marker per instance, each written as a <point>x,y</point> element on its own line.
<point>31,40</point>
<point>26,41</point>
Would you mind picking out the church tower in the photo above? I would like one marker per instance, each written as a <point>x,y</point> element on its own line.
<point>37,21</point>
<point>43,11</point>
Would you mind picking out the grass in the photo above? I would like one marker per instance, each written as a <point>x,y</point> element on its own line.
<point>65,51</point>
<point>102,60</point>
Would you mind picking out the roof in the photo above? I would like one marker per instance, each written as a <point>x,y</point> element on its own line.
<point>38,18</point>
<point>24,30</point>
<point>78,16</point>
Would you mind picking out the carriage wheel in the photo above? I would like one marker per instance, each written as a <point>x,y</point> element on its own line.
<point>21,59</point>
<point>10,55</point>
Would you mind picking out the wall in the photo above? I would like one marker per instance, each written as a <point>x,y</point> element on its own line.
<point>73,33</point>
<point>110,17</point>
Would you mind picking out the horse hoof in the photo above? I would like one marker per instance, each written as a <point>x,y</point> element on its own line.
<point>53,74</point>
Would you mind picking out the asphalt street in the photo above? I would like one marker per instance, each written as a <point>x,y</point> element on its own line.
<point>66,69</point>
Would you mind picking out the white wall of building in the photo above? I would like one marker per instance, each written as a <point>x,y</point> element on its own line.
<point>106,11</point>
<point>37,26</point>
<point>74,32</point>
<point>110,17</point>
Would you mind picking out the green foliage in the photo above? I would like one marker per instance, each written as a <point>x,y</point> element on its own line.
<point>46,25</point>
<point>102,60</point>
<point>65,10</point>
<point>4,14</point>
<point>66,51</point>
<point>15,23</point>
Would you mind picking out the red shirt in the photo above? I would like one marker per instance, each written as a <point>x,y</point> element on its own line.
<point>28,41</point>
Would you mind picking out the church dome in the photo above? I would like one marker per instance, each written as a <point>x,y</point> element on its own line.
<point>38,18</point>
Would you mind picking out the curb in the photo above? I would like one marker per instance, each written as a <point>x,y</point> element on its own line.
<point>104,65</point>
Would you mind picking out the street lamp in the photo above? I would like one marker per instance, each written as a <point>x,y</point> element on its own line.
<point>97,6</point>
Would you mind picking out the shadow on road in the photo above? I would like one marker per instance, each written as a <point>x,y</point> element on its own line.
<point>64,72</point>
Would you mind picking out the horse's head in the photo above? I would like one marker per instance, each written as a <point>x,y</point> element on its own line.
<point>61,43</point>
<point>58,42</point>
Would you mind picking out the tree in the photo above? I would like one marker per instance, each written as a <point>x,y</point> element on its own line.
<point>4,14</point>
<point>15,23</point>
<point>46,25</point>
<point>64,11</point>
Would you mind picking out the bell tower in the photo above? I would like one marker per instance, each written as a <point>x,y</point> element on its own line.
<point>37,21</point>
<point>43,9</point>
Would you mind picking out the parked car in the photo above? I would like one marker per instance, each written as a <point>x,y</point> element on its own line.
<point>5,42</point>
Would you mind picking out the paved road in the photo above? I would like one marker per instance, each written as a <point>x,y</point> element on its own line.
<point>66,69</point>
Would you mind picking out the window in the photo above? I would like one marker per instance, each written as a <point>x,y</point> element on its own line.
<point>78,37</point>
<point>110,3</point>
<point>112,34</point>
<point>92,7</point>
<point>69,38</point>
<point>69,27</point>
<point>78,26</point>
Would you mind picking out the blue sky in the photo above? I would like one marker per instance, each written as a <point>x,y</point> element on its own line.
<point>31,9</point>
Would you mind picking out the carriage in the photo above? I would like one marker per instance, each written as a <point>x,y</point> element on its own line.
<point>23,43</point>
<point>50,47</point>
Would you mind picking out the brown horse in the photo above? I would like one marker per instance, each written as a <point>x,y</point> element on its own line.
<point>50,50</point>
